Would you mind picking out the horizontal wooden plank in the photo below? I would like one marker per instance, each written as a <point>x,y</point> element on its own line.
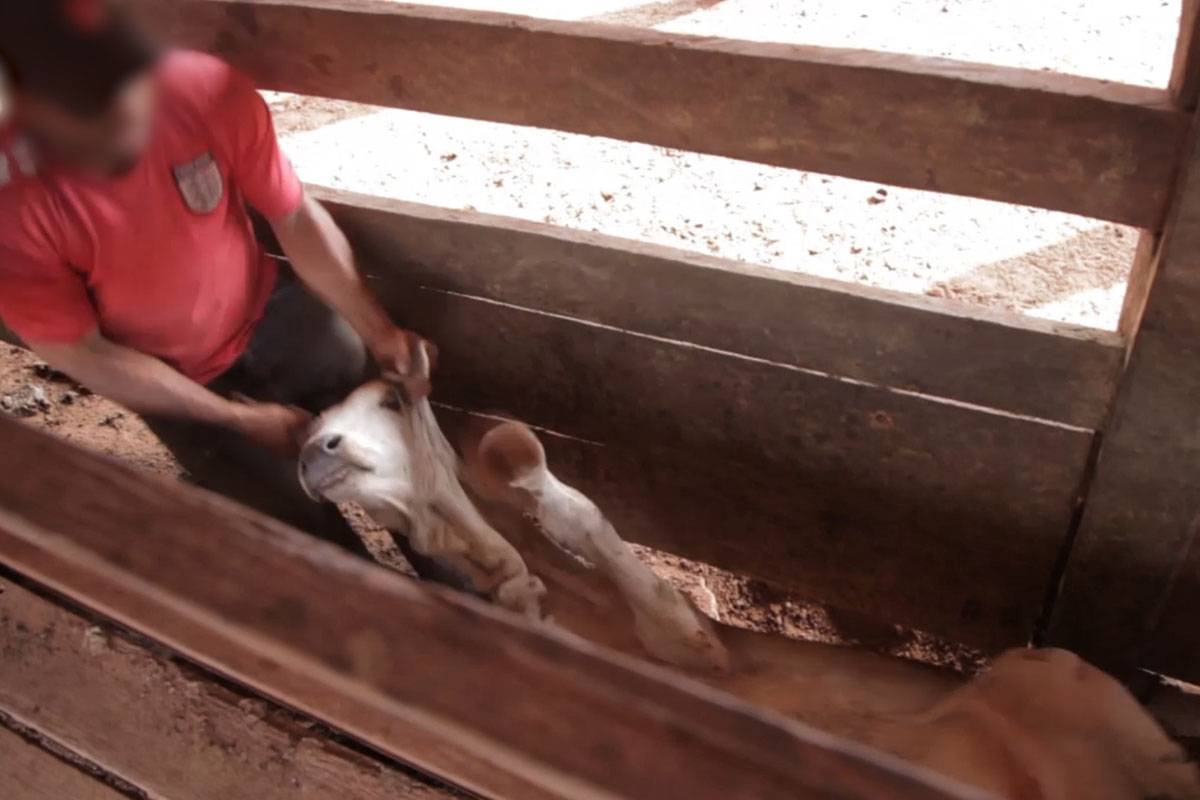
<point>1170,580</point>
<point>167,727</point>
<point>903,555</point>
<point>1036,138</point>
<point>1041,369</point>
<point>393,662</point>
<point>272,675</point>
<point>779,472</point>
<point>27,772</point>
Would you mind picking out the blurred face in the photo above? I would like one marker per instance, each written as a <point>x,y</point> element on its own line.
<point>107,143</point>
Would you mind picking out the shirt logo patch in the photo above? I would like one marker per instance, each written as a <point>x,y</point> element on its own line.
<point>200,184</point>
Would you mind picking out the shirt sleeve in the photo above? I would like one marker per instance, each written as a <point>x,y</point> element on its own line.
<point>42,299</point>
<point>258,166</point>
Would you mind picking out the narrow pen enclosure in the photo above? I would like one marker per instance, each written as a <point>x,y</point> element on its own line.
<point>988,478</point>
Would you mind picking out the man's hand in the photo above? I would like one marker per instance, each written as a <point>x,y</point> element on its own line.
<point>394,351</point>
<point>322,258</point>
<point>279,429</point>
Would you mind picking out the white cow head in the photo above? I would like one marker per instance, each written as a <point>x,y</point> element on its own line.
<point>382,448</point>
<point>359,450</point>
<point>363,449</point>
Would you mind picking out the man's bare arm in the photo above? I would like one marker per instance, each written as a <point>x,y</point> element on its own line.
<point>322,257</point>
<point>146,385</point>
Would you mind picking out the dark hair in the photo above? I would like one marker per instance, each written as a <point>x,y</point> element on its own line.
<point>77,53</point>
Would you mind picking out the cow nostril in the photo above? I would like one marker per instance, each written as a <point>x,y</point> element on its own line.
<point>332,443</point>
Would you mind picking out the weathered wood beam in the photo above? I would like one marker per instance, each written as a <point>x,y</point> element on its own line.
<point>779,472</point>
<point>1185,70</point>
<point>1036,138</point>
<point>1141,507</point>
<point>1184,89</point>
<point>27,772</point>
<point>935,347</point>
<point>410,670</point>
<point>980,571</point>
<point>166,727</point>
<point>1132,552</point>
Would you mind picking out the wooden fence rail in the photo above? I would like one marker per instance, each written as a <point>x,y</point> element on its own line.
<point>1132,585</point>
<point>929,346</point>
<point>1060,142</point>
<point>165,727</point>
<point>31,773</point>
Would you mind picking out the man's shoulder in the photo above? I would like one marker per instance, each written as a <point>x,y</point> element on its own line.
<point>201,82</point>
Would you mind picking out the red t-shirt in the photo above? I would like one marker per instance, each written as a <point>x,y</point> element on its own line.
<point>161,259</point>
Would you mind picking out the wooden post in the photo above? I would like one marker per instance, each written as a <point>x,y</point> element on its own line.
<point>1140,515</point>
<point>1185,74</point>
<point>1146,490</point>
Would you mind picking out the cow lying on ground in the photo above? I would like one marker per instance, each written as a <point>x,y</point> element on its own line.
<point>1038,725</point>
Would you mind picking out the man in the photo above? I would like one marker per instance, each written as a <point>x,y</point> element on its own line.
<point>127,258</point>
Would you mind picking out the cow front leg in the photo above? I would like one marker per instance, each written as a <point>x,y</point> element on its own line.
<point>481,551</point>
<point>456,545</point>
<point>667,624</point>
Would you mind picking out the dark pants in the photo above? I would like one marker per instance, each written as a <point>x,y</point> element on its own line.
<point>301,354</point>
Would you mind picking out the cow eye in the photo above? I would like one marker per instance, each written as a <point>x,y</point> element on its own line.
<point>392,401</point>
